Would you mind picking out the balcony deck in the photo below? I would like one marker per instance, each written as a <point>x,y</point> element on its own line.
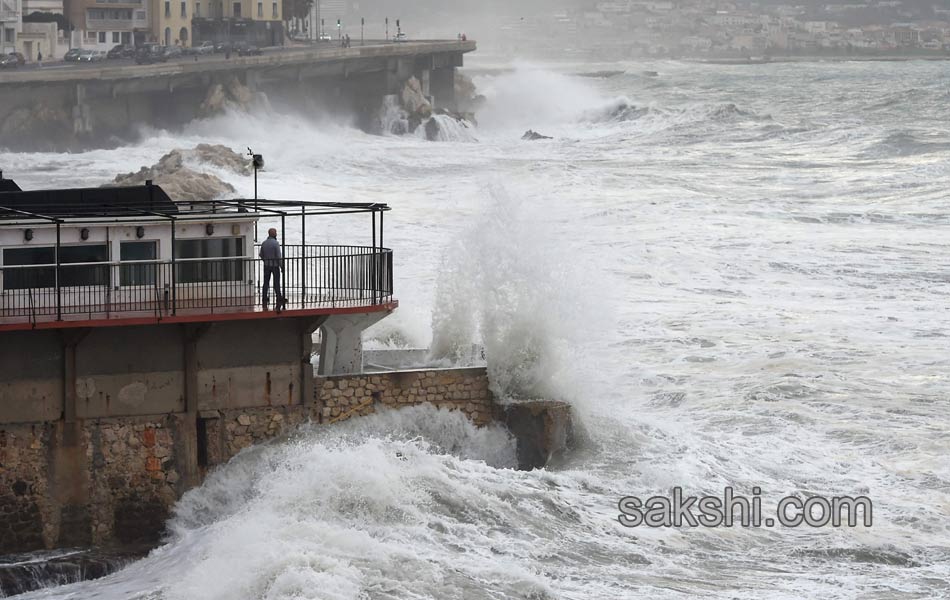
<point>316,280</point>
<point>44,233</point>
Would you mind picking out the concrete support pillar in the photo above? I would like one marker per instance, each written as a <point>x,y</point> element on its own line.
<point>307,396</point>
<point>82,114</point>
<point>442,85</point>
<point>70,519</point>
<point>187,426</point>
<point>341,351</point>
<point>71,341</point>
<point>190,336</point>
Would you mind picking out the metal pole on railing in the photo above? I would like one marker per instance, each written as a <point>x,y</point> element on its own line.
<point>303,255</point>
<point>59,291</point>
<point>283,256</point>
<point>372,265</point>
<point>381,246</point>
<point>174,274</point>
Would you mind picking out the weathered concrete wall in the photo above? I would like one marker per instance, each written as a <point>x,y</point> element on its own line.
<point>31,372</point>
<point>85,107</point>
<point>113,474</point>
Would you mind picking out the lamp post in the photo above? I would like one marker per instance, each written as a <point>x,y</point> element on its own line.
<point>387,28</point>
<point>257,161</point>
<point>362,27</point>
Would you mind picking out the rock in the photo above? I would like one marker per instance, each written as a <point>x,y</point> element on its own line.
<point>414,101</point>
<point>432,130</point>
<point>220,97</point>
<point>543,428</point>
<point>215,100</point>
<point>184,183</point>
<point>532,135</point>
<point>221,156</point>
<point>405,112</point>
<point>467,98</point>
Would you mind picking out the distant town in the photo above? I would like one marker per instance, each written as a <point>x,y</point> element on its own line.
<point>38,30</point>
<point>616,29</point>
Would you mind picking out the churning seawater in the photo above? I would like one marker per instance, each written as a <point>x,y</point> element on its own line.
<point>738,275</point>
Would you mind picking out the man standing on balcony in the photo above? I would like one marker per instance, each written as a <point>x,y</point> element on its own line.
<point>271,255</point>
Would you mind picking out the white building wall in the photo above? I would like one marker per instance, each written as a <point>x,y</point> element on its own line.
<point>159,231</point>
<point>11,23</point>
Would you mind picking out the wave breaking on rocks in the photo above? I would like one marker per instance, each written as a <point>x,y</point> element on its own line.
<point>411,113</point>
<point>187,183</point>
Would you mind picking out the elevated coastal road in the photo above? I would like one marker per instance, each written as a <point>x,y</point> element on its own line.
<point>68,106</point>
<point>217,63</point>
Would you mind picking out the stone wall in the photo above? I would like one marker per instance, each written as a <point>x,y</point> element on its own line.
<point>23,469</point>
<point>459,389</point>
<point>114,480</point>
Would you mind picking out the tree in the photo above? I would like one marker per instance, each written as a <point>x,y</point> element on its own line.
<point>62,23</point>
<point>296,8</point>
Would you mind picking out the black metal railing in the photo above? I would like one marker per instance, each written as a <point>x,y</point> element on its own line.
<point>312,277</point>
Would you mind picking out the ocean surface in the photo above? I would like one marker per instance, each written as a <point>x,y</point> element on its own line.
<point>738,275</point>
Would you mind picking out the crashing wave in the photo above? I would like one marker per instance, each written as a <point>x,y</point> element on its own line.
<point>447,128</point>
<point>622,110</point>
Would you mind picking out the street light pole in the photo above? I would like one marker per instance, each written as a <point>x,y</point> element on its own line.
<point>387,29</point>
<point>362,27</point>
<point>257,161</point>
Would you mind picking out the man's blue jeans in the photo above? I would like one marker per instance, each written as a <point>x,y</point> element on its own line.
<point>278,293</point>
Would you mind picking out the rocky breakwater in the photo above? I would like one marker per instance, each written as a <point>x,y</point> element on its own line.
<point>177,172</point>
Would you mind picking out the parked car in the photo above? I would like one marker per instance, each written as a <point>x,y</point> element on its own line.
<point>173,52</point>
<point>206,47</point>
<point>72,55</point>
<point>400,37</point>
<point>325,37</point>
<point>245,49</point>
<point>8,61</point>
<point>91,56</point>
<point>222,46</point>
<point>121,51</point>
<point>150,53</point>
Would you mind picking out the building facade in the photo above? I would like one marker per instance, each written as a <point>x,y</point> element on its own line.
<point>11,23</point>
<point>258,22</point>
<point>101,24</point>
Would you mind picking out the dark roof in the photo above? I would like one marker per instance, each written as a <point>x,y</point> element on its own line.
<point>134,201</point>
<point>8,185</point>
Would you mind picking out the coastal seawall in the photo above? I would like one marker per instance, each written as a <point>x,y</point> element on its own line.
<point>115,482</point>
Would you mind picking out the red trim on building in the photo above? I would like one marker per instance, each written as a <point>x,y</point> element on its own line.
<point>201,318</point>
